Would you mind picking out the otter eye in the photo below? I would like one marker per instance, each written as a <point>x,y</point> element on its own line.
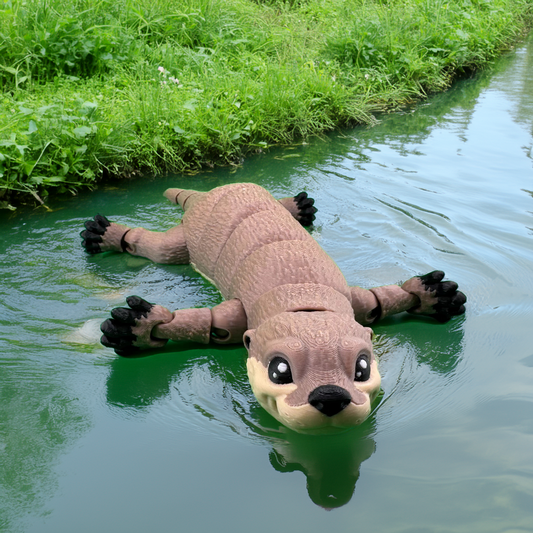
<point>362,368</point>
<point>279,371</point>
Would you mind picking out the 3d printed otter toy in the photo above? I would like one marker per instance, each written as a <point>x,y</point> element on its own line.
<point>310,360</point>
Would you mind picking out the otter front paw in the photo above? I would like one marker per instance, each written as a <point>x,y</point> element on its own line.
<point>439,299</point>
<point>306,209</point>
<point>100,235</point>
<point>130,329</point>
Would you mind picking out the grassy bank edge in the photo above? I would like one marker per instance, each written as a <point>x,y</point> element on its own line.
<point>179,106</point>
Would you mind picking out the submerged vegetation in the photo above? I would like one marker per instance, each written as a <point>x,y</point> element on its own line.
<point>97,88</point>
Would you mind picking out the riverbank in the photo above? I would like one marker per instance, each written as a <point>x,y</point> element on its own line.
<point>93,90</point>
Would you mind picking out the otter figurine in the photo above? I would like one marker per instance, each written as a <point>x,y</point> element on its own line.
<point>310,359</point>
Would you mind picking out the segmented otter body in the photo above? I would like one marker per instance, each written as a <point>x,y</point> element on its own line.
<point>248,245</point>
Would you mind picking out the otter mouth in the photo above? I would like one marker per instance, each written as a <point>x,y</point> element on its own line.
<point>308,310</point>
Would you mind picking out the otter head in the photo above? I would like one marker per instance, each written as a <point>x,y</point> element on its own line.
<point>315,372</point>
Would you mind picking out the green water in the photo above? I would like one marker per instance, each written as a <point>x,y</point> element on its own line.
<point>176,442</point>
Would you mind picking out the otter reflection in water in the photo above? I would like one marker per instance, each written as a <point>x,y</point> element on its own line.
<point>330,463</point>
<point>212,382</point>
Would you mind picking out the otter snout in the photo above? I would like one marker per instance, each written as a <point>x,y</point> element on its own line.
<point>330,399</point>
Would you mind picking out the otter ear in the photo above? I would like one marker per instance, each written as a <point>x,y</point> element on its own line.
<point>369,334</point>
<point>248,338</point>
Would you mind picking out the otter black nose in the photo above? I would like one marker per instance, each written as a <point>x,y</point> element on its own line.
<point>330,399</point>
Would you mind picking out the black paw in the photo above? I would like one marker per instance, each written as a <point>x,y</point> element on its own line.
<point>306,209</point>
<point>117,331</point>
<point>450,301</point>
<point>92,234</point>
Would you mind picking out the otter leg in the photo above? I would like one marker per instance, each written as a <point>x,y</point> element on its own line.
<point>370,305</point>
<point>169,247</point>
<point>301,207</point>
<point>142,325</point>
<point>101,235</point>
<point>422,295</point>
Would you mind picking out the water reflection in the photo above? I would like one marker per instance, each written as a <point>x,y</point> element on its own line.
<point>331,464</point>
<point>518,86</point>
<point>438,346</point>
<point>404,133</point>
<point>35,427</point>
<point>185,380</point>
<point>40,417</point>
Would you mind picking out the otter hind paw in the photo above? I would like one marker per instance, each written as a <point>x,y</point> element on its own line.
<point>93,232</point>
<point>306,209</point>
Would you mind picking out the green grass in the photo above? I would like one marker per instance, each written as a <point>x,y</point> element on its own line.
<point>126,87</point>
